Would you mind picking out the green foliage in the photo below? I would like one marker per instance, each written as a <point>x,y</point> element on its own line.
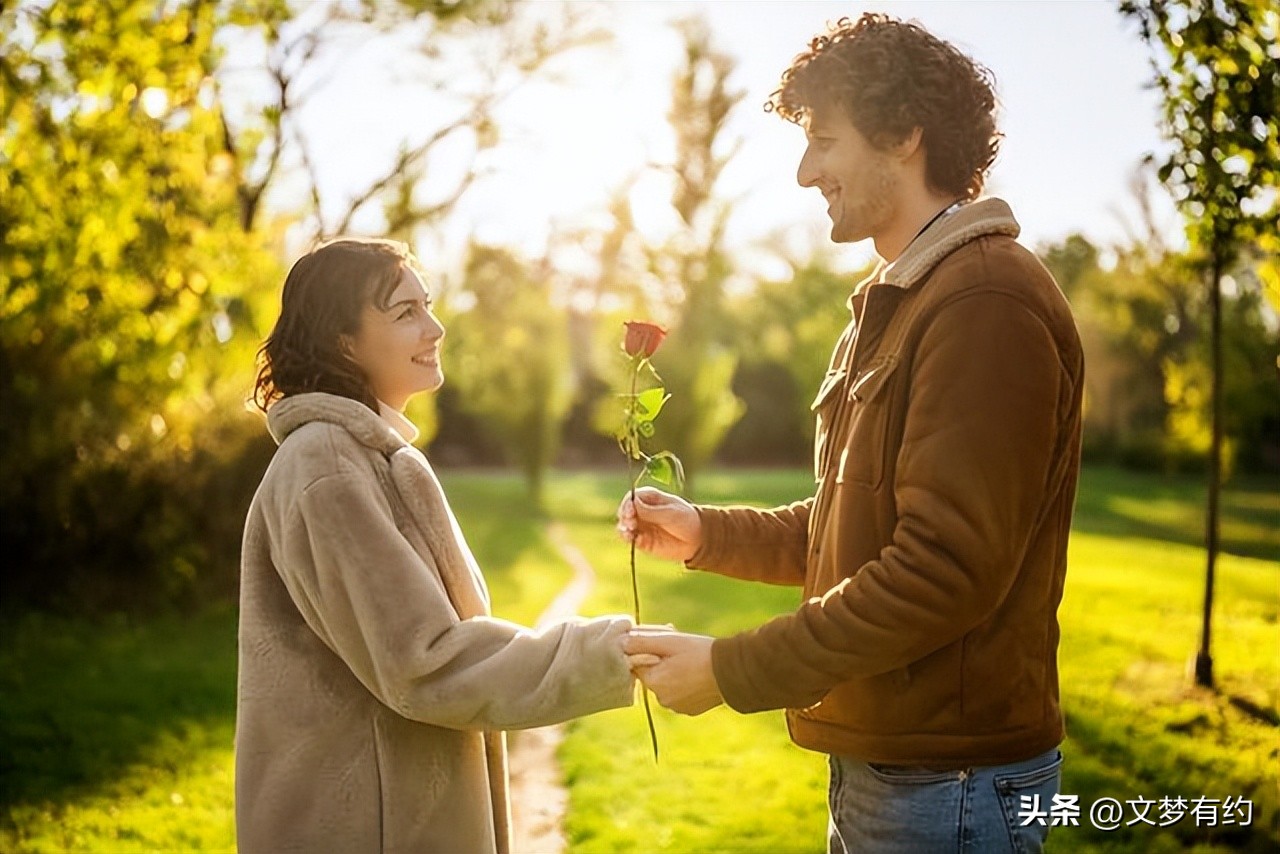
<point>138,272</point>
<point>640,411</point>
<point>794,323</point>
<point>1218,69</point>
<point>701,363</point>
<point>510,358</point>
<point>666,469</point>
<point>128,311</point>
<point>1145,328</point>
<point>1216,66</point>
<point>118,217</point>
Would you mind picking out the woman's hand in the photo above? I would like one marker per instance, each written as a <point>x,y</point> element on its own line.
<point>635,663</point>
<point>660,524</point>
<point>676,667</point>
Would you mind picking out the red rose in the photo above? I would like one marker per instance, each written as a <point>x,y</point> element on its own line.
<point>643,338</point>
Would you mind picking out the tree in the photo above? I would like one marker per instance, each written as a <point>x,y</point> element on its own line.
<point>793,323</point>
<point>140,269</point>
<point>700,359</point>
<point>510,357</point>
<point>465,58</point>
<point>126,285</point>
<point>1217,66</point>
<point>1142,322</point>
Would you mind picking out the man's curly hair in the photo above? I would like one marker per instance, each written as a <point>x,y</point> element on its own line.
<point>890,77</point>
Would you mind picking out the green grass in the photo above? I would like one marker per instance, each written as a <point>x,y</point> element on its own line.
<point>1130,621</point>
<point>724,782</point>
<point>117,735</point>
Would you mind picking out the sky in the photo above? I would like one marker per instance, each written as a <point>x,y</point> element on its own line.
<point>1072,79</point>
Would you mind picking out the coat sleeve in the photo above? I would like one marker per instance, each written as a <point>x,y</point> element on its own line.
<point>379,606</point>
<point>754,544</point>
<point>979,435</point>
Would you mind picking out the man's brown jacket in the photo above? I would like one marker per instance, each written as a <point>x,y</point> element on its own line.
<point>934,550</point>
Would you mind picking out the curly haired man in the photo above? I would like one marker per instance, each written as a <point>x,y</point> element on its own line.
<point>932,555</point>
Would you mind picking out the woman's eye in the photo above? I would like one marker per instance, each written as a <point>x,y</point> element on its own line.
<point>405,314</point>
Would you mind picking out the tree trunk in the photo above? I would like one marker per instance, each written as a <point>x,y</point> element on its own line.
<point>1204,659</point>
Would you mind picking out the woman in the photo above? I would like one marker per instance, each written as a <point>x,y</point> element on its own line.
<point>373,684</point>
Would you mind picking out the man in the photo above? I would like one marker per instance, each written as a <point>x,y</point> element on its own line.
<point>933,553</point>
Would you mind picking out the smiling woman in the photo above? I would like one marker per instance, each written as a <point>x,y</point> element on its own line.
<point>374,685</point>
<point>330,298</point>
<point>398,345</point>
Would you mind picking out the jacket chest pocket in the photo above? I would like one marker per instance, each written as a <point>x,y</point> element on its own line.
<point>830,393</point>
<point>864,439</point>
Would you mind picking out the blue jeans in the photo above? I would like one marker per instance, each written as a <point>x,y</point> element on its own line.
<point>893,809</point>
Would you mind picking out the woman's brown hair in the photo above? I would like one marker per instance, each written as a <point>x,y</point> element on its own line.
<point>323,297</point>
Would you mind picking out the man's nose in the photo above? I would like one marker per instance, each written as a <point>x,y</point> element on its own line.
<point>807,172</point>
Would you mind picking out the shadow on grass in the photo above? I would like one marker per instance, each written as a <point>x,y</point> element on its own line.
<point>1172,508</point>
<point>1188,749</point>
<point>86,700</point>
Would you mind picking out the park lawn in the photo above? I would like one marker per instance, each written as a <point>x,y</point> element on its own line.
<point>117,734</point>
<point>1130,620</point>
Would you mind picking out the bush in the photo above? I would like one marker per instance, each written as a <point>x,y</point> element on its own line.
<point>148,529</point>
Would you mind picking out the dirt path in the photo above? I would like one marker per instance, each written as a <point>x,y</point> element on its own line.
<point>538,800</point>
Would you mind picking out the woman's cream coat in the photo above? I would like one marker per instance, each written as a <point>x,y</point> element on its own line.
<point>373,684</point>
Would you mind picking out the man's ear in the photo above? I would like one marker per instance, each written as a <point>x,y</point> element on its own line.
<point>909,144</point>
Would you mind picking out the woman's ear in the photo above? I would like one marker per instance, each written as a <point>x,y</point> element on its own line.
<point>347,346</point>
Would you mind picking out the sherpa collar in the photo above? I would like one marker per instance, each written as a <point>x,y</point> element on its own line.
<point>974,220</point>
<point>411,477</point>
<point>367,426</point>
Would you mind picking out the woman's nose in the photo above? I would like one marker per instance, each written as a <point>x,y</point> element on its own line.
<point>433,329</point>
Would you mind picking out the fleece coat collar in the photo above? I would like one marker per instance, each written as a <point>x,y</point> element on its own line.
<point>414,480</point>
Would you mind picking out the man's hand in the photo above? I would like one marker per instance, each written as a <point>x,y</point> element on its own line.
<point>660,524</point>
<point>680,676</point>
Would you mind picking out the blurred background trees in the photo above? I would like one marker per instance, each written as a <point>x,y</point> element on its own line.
<point>510,358</point>
<point>147,150</point>
<point>141,262</point>
<point>700,359</point>
<point>1216,68</point>
<point>126,292</point>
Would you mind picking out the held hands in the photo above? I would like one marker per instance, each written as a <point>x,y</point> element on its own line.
<point>660,524</point>
<point>676,667</point>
